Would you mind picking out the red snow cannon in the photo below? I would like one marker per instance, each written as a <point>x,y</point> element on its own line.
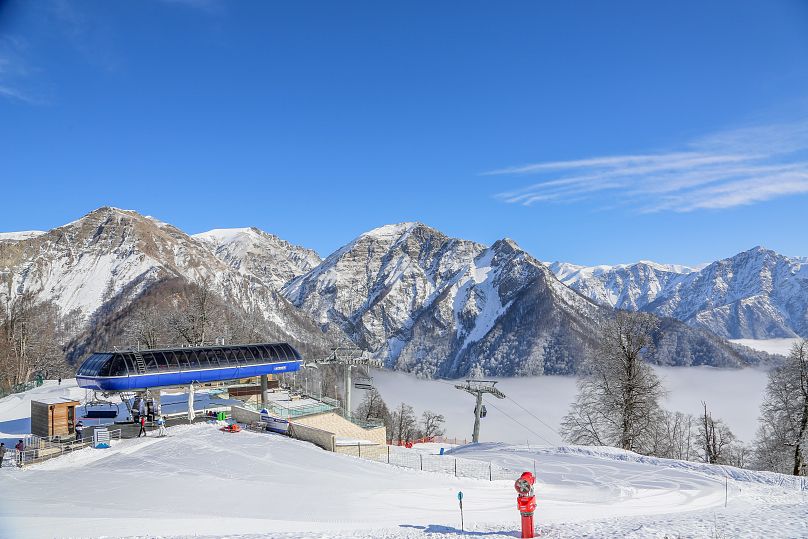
<point>526,502</point>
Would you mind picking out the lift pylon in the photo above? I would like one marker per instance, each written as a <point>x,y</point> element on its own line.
<point>348,357</point>
<point>478,388</point>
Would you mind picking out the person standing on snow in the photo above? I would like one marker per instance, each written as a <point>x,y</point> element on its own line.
<point>79,429</point>
<point>161,423</point>
<point>20,447</point>
<point>142,426</point>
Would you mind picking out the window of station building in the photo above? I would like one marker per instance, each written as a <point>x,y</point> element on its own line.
<point>183,359</point>
<point>150,359</point>
<point>281,352</point>
<point>252,354</point>
<point>203,358</point>
<point>162,362</point>
<point>241,355</point>
<point>216,358</point>
<point>95,363</point>
<point>227,357</point>
<point>171,361</point>
<point>257,353</point>
<point>129,361</point>
<point>116,366</point>
<point>268,353</point>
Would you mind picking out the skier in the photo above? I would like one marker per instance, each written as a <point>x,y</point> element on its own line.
<point>79,430</point>
<point>142,426</point>
<point>2,453</point>
<point>60,380</point>
<point>161,423</point>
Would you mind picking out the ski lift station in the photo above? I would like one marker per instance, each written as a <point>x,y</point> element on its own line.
<point>147,369</point>
<point>140,377</point>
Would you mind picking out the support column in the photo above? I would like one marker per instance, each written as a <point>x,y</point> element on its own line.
<point>191,412</point>
<point>264,390</point>
<point>158,410</point>
<point>475,437</point>
<point>348,409</point>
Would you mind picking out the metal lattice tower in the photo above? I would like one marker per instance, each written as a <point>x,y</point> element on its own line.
<point>478,388</point>
<point>348,357</point>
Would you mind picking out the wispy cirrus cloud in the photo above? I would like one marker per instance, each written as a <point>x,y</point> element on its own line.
<point>722,170</point>
<point>14,71</point>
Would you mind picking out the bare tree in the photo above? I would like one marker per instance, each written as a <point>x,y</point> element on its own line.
<point>191,320</point>
<point>781,439</point>
<point>148,326</point>
<point>373,408</point>
<point>618,394</point>
<point>715,439</point>
<point>32,336</point>
<point>432,424</point>
<point>674,436</point>
<point>404,424</point>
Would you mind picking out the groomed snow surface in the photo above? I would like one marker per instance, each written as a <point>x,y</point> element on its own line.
<point>201,482</point>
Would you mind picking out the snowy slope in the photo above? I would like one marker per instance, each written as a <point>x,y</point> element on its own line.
<point>22,235</point>
<point>756,294</point>
<point>205,482</point>
<point>254,252</point>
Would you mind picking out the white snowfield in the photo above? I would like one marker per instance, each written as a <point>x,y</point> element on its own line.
<point>201,482</point>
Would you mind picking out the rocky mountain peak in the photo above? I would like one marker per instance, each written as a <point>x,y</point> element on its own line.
<point>251,251</point>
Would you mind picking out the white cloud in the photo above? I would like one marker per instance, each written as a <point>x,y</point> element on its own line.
<point>721,170</point>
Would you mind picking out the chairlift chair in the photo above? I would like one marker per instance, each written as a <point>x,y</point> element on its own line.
<point>364,382</point>
<point>100,409</point>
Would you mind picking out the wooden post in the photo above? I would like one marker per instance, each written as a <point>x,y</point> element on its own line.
<point>421,456</point>
<point>455,466</point>
<point>490,471</point>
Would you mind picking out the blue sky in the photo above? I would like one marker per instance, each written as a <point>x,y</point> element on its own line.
<point>591,132</point>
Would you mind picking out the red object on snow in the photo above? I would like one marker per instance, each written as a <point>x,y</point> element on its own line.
<point>526,502</point>
<point>231,428</point>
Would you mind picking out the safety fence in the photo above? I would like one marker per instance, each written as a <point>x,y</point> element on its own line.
<point>418,460</point>
<point>39,449</point>
<point>431,439</point>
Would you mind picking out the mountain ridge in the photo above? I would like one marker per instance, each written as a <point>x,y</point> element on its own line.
<point>412,296</point>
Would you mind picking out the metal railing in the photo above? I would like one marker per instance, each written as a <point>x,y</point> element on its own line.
<point>39,449</point>
<point>278,409</point>
<point>418,460</point>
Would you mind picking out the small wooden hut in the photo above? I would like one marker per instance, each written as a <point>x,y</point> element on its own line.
<point>53,416</point>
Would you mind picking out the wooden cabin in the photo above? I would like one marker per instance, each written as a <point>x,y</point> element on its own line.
<point>53,416</point>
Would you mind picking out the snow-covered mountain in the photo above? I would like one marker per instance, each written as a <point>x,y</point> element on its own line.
<point>417,299</point>
<point>756,294</point>
<point>100,264</point>
<point>440,306</point>
<point>257,253</point>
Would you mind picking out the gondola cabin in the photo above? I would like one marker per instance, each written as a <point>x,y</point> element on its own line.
<point>53,417</point>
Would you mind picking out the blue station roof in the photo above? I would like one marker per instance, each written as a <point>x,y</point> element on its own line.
<point>124,363</point>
